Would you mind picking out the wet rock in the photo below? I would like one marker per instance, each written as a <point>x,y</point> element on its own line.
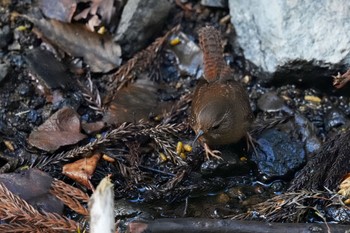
<point>4,69</point>
<point>189,56</point>
<point>279,32</point>
<point>5,36</point>
<point>312,144</point>
<point>47,69</point>
<point>15,46</point>
<point>335,118</point>
<point>214,3</point>
<point>339,214</point>
<point>24,89</point>
<point>278,154</point>
<point>213,168</point>
<point>125,209</point>
<point>15,59</point>
<point>140,21</point>
<point>34,117</point>
<point>62,10</point>
<point>270,102</point>
<point>34,187</point>
<point>307,132</point>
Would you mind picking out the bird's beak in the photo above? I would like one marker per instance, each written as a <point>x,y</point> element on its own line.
<point>200,133</point>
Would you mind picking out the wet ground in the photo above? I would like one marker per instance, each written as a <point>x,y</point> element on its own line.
<point>292,121</point>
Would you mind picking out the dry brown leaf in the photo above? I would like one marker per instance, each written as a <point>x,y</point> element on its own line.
<point>82,170</point>
<point>340,80</point>
<point>98,51</point>
<point>92,127</point>
<point>139,100</point>
<point>62,128</point>
<point>344,187</point>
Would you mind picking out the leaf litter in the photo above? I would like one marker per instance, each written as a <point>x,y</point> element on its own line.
<point>61,129</point>
<point>100,52</point>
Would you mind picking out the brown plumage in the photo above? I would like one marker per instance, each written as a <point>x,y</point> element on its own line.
<point>221,112</point>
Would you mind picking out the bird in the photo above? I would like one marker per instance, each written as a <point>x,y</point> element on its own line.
<point>220,109</point>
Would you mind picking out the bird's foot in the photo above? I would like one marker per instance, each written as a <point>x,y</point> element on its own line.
<point>213,153</point>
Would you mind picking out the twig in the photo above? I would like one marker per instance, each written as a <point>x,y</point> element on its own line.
<point>69,190</point>
<point>341,80</point>
<point>70,196</point>
<point>161,134</point>
<point>289,206</point>
<point>23,228</point>
<point>91,94</point>
<point>140,62</point>
<point>15,209</point>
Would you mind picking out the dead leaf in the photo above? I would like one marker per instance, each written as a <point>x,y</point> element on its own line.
<point>344,187</point>
<point>92,127</point>
<point>98,51</point>
<point>82,170</point>
<point>139,100</point>
<point>62,128</point>
<point>341,80</point>
<point>47,69</point>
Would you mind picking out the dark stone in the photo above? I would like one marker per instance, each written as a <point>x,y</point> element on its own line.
<point>270,102</point>
<point>140,21</point>
<point>215,3</point>
<point>278,154</point>
<point>34,187</point>
<point>48,69</point>
<point>5,36</point>
<point>307,133</point>
<point>24,89</point>
<point>335,118</point>
<point>307,74</point>
<point>339,214</point>
<point>231,165</point>
<point>4,69</point>
<point>34,117</point>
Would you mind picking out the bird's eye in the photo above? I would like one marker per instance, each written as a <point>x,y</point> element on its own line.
<point>215,126</point>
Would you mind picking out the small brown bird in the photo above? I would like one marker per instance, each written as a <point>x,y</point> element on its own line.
<point>221,113</point>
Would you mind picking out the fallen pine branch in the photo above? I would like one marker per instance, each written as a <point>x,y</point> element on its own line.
<point>202,225</point>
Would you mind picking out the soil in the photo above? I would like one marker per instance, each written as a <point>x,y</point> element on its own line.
<point>199,189</point>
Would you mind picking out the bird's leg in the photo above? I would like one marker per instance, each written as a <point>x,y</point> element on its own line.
<point>251,142</point>
<point>214,153</point>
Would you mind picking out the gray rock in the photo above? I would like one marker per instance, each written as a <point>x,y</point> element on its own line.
<point>5,36</point>
<point>273,33</point>
<point>334,119</point>
<point>140,21</point>
<point>270,102</point>
<point>307,133</point>
<point>214,3</point>
<point>189,56</point>
<point>4,69</point>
